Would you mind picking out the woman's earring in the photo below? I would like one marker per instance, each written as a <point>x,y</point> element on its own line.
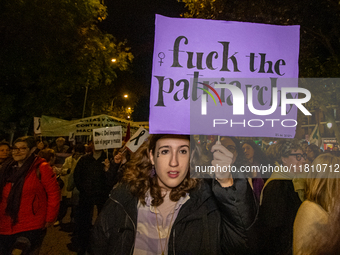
<point>153,171</point>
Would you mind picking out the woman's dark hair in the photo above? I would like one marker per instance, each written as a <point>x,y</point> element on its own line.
<point>29,140</point>
<point>47,154</point>
<point>138,174</point>
<point>154,138</point>
<point>2,143</point>
<point>46,144</point>
<point>241,159</point>
<point>79,148</point>
<point>259,155</point>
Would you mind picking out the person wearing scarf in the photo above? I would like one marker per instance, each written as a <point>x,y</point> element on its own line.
<point>29,198</point>
<point>281,198</point>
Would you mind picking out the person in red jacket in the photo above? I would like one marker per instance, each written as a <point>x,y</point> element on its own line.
<point>29,199</point>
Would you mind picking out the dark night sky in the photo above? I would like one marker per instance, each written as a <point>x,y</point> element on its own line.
<point>134,20</point>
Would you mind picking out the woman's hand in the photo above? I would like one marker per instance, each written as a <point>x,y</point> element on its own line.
<point>222,160</point>
<point>118,158</point>
<point>57,170</point>
<point>106,164</point>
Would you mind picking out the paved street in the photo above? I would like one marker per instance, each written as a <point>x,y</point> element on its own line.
<point>57,239</point>
<point>56,242</point>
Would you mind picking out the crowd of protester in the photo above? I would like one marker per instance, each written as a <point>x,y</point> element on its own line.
<point>148,203</point>
<point>29,199</point>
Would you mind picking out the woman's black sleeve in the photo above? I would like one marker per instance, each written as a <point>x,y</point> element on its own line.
<point>239,212</point>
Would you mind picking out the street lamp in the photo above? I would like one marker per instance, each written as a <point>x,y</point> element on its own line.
<point>113,60</point>
<point>329,125</point>
<point>125,96</point>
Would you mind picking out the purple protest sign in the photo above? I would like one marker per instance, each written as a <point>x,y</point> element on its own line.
<point>196,58</point>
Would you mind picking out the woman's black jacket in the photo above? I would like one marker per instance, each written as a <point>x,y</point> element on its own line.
<point>214,220</point>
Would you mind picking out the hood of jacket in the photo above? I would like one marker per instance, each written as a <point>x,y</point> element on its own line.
<point>38,160</point>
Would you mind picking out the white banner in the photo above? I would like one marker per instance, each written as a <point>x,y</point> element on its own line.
<point>107,138</point>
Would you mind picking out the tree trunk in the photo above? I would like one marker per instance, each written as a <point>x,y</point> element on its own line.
<point>13,126</point>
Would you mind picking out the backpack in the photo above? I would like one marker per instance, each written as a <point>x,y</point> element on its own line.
<point>59,180</point>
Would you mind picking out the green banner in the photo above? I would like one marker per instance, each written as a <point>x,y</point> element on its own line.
<point>51,126</point>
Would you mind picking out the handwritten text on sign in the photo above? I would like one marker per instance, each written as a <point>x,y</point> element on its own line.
<point>191,56</point>
<point>106,138</point>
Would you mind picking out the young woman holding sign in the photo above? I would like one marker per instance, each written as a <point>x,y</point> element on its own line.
<point>159,209</point>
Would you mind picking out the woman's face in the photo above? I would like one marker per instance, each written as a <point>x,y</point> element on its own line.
<point>310,154</point>
<point>171,160</point>
<point>248,151</point>
<point>231,146</point>
<point>4,151</point>
<point>294,159</point>
<point>60,143</point>
<point>20,151</point>
<point>77,154</point>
